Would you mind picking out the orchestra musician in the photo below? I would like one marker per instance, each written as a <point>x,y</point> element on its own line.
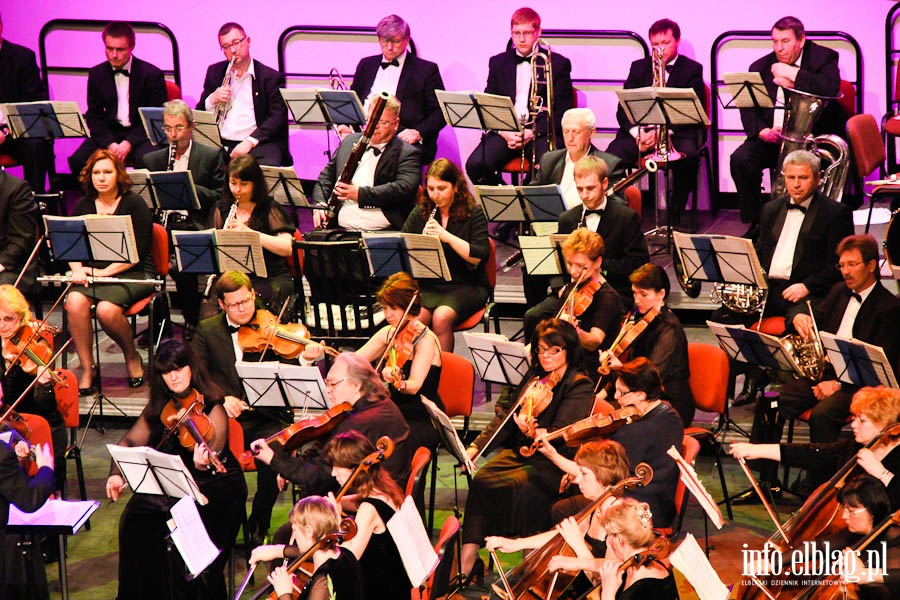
<point>115,90</point>
<point>512,494</point>
<point>618,225</point>
<point>255,210</point>
<point>143,557</point>
<point>510,74</point>
<point>19,216</point>
<point>15,320</point>
<point>401,73</point>
<point>246,96</point>
<point>337,573</point>
<point>217,346</point>
<point>352,380</point>
<point>794,63</point>
<point>447,210</point>
<point>384,186</point>
<point>106,188</point>
<point>21,576</point>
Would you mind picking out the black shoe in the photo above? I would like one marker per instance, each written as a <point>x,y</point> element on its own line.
<point>474,576</point>
<point>189,332</point>
<point>82,392</point>
<point>748,394</point>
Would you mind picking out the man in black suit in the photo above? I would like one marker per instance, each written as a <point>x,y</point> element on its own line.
<point>19,216</point>
<point>217,347</point>
<point>383,189</point>
<point>858,307</point>
<point>252,113</point>
<point>509,74</point>
<point>618,225</point>
<point>412,80</point>
<point>207,168</point>
<point>116,89</point>
<point>794,63</point>
<point>20,81</point>
<point>632,141</point>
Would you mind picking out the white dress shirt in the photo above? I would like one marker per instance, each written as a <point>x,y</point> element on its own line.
<point>567,184</point>
<point>845,330</point>
<point>783,257</point>
<point>240,120</point>
<point>386,79</point>
<point>122,99</point>
<point>778,119</point>
<point>364,219</point>
<point>523,88</point>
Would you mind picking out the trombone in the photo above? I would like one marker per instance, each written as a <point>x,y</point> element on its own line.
<point>541,75</point>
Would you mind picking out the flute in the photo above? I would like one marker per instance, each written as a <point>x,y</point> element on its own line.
<point>68,279</point>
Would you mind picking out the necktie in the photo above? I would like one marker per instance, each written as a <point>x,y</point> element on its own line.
<point>792,206</point>
<point>121,71</point>
<point>669,68</point>
<point>856,297</point>
<point>597,211</point>
<point>393,63</point>
<point>376,151</point>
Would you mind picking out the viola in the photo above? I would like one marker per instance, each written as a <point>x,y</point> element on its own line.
<point>537,397</point>
<point>296,434</point>
<point>631,330</point>
<point>384,448</point>
<point>31,347</point>
<point>586,430</point>
<point>193,427</point>
<point>578,299</point>
<point>17,431</point>
<point>287,340</point>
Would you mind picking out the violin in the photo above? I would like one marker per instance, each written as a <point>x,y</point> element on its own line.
<point>400,355</point>
<point>296,434</point>
<point>31,347</point>
<point>532,578</point>
<point>537,397</point>
<point>586,430</point>
<point>578,299</point>
<point>194,427</point>
<point>287,340</point>
<point>13,438</point>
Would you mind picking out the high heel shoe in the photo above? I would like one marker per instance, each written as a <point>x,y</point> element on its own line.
<point>136,382</point>
<point>475,574</point>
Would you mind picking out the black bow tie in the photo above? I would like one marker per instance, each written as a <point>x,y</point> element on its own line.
<point>669,68</point>
<point>122,71</point>
<point>376,151</point>
<point>231,329</point>
<point>857,296</point>
<point>792,206</point>
<point>597,211</point>
<point>393,63</point>
<point>520,59</point>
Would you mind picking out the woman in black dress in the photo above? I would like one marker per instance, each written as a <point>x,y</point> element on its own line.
<point>377,498</point>
<point>447,210</point>
<point>336,575</point>
<point>512,494</point>
<point>257,211</point>
<point>106,192</point>
<point>143,557</point>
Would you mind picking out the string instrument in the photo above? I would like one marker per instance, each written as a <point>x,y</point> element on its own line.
<point>578,299</point>
<point>820,513</point>
<point>401,342</point>
<point>31,347</point>
<point>631,330</point>
<point>193,427</point>
<point>287,340</point>
<point>537,397</point>
<point>586,430</point>
<point>532,578</point>
<point>18,430</point>
<point>345,532</point>
<point>296,434</point>
<point>384,448</point>
<point>658,549</point>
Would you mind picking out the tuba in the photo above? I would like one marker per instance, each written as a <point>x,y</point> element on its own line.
<point>807,356</point>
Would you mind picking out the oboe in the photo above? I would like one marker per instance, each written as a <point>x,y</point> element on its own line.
<point>232,212</point>
<point>430,217</point>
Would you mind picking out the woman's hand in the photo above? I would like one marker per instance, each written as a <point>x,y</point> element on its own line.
<point>266,553</point>
<point>432,227</point>
<point>79,275</point>
<point>526,424</point>
<point>570,531</point>
<point>744,450</point>
<point>868,461</point>
<point>264,452</point>
<point>282,581</point>
<point>201,456</point>
<point>114,486</point>
<point>503,544</point>
<point>610,578</point>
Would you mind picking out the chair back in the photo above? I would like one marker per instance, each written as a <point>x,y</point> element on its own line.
<point>415,485</point>
<point>690,448</point>
<point>173,92</point>
<point>236,445</point>
<point>866,143</point>
<point>160,250</point>
<point>709,368</point>
<point>40,434</point>
<point>457,385</point>
<point>633,197</point>
<point>295,259</point>
<point>438,583</point>
<point>847,101</point>
<point>66,394</point>
<point>490,265</point>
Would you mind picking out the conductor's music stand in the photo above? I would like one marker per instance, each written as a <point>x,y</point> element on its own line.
<point>325,107</point>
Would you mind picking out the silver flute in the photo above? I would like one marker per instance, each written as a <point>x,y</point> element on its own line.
<point>68,279</point>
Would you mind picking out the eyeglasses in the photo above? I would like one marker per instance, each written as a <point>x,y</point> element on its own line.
<point>331,384</point>
<point>552,351</point>
<point>621,394</point>
<point>848,265</point>
<point>239,303</point>
<point>388,41</point>
<point>233,45</point>
<point>178,128</point>
<point>851,512</point>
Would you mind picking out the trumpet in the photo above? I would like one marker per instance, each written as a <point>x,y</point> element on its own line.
<point>223,107</point>
<point>664,152</point>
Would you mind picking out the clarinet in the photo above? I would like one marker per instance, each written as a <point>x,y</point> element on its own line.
<point>172,150</point>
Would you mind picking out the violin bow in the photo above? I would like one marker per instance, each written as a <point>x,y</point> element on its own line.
<point>272,335</point>
<point>397,330</point>
<point>34,251</point>
<point>34,381</point>
<point>37,330</point>
<point>765,501</point>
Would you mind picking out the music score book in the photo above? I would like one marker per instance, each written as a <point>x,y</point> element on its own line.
<point>662,106</point>
<point>219,250</point>
<point>422,256</point>
<point>416,552</point>
<point>542,254</point>
<point>747,90</point>
<point>206,128</point>
<point>190,537</point>
<point>107,238</point>
<point>165,190</point>
<point>693,564</point>
<point>496,359</point>
<point>149,471</point>
<point>152,120</point>
<point>60,517</point>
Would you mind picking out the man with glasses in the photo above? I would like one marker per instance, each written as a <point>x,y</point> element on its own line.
<point>216,344</point>
<point>252,114</point>
<point>115,90</point>
<point>384,186</point>
<point>509,74</point>
<point>401,73</point>
<point>858,307</point>
<point>207,169</point>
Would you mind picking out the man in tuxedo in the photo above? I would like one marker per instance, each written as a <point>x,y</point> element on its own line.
<point>207,168</point>
<point>558,166</point>
<point>217,347</point>
<point>794,63</point>
<point>858,307</point>
<point>384,186</point>
<point>618,225</point>
<point>19,216</point>
<point>252,114</point>
<point>20,81</point>
<point>412,80</point>
<point>509,74</point>
<point>116,89</point>
<point>632,141</point>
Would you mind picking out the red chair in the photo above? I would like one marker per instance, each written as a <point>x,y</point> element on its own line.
<point>437,586</point>
<point>7,161</point>
<point>415,485</point>
<point>847,101</point>
<point>490,267</point>
<point>869,156</point>
<point>690,448</point>
<point>634,199</point>
<point>40,434</point>
<point>517,168</point>
<point>66,394</point>
<point>173,92</point>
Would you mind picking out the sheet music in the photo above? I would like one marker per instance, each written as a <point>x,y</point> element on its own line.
<point>416,551</point>
<point>190,537</point>
<point>497,112</point>
<point>152,119</point>
<point>501,203</point>
<point>384,253</point>
<point>695,486</point>
<point>170,472</point>
<point>738,85</point>
<point>303,386</point>
<point>449,437</point>
<point>277,178</point>
<point>206,129</point>
<point>70,515</point>
<point>545,228</point>
<point>690,559</point>
<point>112,238</point>
<point>193,251</point>
<point>240,251</point>
<point>738,261</point>
<point>543,203</point>
<point>140,185</point>
<point>70,118</point>
<point>426,257</point>
<point>27,119</point>
<point>540,255</point>
<point>67,239</point>
<point>496,359</point>
<point>640,106</point>
<point>858,363</point>
<point>682,106</point>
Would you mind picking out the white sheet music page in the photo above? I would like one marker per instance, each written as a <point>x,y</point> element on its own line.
<point>190,536</point>
<point>419,557</point>
<point>693,564</point>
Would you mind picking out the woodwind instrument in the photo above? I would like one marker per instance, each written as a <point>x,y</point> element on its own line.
<point>173,148</point>
<point>222,108</point>
<point>232,213</point>
<point>56,279</point>
<point>430,217</point>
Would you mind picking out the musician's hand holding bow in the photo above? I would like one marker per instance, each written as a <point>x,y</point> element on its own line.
<point>201,457</point>
<point>282,581</point>
<point>525,423</point>
<point>264,451</point>
<point>234,406</point>
<point>114,486</point>
<point>266,553</point>
<point>750,451</point>
<point>503,544</point>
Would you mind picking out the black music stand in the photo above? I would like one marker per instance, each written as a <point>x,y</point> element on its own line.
<point>86,239</point>
<point>206,128</point>
<point>152,119</point>
<point>719,259</point>
<point>285,187</point>
<point>422,256</point>
<point>858,363</point>
<point>214,251</point>
<point>48,120</point>
<point>329,108</point>
<point>283,386</point>
<point>167,191</point>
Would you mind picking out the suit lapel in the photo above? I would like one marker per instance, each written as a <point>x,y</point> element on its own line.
<point>808,220</point>
<point>388,158</point>
<point>405,75</point>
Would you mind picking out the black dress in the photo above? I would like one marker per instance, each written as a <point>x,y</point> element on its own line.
<point>421,430</point>
<point>385,576</point>
<point>345,577</point>
<point>143,562</point>
<point>469,290</point>
<point>650,587</point>
<point>124,294</point>
<point>511,495</point>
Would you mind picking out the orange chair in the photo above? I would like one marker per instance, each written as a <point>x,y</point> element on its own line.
<point>66,394</point>
<point>709,366</point>
<point>40,434</point>
<point>437,586</point>
<point>457,390</point>
<point>236,446</point>
<point>159,249</point>
<point>517,168</point>
<point>415,485</point>
<point>490,267</point>
<point>634,199</point>
<point>869,156</point>
<point>173,92</point>
<point>690,448</point>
